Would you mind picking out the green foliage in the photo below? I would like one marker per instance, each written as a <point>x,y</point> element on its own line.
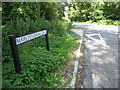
<point>95,11</point>
<point>31,10</point>
<point>20,28</point>
<point>38,65</point>
<point>79,11</point>
<point>105,22</point>
<point>17,10</point>
<point>111,10</point>
<point>109,22</point>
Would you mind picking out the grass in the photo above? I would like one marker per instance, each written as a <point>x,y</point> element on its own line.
<point>103,22</point>
<point>68,69</point>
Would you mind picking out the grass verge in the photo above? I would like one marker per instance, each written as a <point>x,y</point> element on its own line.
<point>68,70</point>
<point>103,22</point>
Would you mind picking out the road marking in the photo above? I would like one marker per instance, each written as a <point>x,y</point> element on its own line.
<point>99,41</point>
<point>95,82</point>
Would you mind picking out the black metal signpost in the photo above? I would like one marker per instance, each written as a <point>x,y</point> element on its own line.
<point>47,41</point>
<point>14,41</point>
<point>15,55</point>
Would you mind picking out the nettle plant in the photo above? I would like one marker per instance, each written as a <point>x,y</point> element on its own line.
<point>38,65</point>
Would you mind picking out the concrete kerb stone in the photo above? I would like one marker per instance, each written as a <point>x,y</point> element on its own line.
<point>73,81</point>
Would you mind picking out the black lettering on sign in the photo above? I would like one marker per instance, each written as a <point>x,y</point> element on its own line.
<point>26,38</point>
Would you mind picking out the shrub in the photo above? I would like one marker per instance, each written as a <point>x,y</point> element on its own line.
<point>20,28</point>
<point>38,65</point>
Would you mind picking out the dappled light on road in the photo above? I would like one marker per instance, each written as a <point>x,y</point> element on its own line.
<point>101,55</point>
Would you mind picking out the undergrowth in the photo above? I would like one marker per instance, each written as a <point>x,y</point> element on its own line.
<point>38,64</point>
<point>104,22</point>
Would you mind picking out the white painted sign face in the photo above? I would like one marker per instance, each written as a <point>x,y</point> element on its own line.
<point>26,38</point>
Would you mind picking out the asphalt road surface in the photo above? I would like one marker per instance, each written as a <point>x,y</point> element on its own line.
<point>100,55</point>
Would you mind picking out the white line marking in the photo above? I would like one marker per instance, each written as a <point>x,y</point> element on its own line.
<point>101,41</point>
<point>95,83</point>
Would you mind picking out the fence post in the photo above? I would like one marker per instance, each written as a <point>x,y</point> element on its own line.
<point>47,41</point>
<point>14,51</point>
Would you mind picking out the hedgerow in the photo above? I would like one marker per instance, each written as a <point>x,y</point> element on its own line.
<point>38,64</point>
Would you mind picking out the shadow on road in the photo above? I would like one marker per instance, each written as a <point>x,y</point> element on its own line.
<point>102,62</point>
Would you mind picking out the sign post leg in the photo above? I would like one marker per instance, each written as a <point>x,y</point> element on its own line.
<point>47,41</point>
<point>15,55</point>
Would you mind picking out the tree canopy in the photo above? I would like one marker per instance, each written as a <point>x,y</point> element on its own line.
<point>84,11</point>
<point>31,10</point>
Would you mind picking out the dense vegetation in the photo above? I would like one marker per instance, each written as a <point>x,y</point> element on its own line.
<point>31,10</point>
<point>39,65</point>
<point>100,12</point>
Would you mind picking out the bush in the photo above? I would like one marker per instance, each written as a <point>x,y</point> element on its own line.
<point>38,65</point>
<point>20,28</point>
<point>104,22</point>
<point>109,22</point>
<point>31,10</point>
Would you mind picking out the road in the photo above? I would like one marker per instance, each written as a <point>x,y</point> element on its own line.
<point>100,55</point>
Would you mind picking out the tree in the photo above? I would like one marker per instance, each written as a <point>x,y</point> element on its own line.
<point>95,11</point>
<point>111,10</point>
<point>24,10</point>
